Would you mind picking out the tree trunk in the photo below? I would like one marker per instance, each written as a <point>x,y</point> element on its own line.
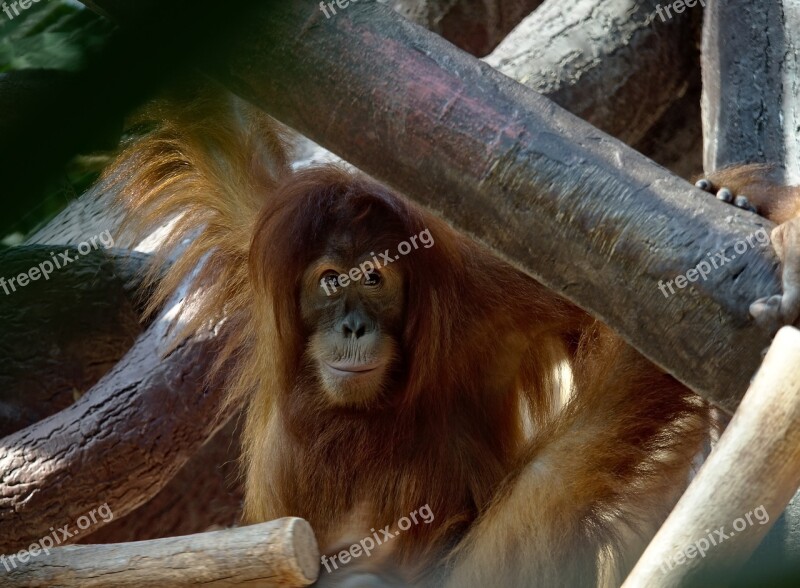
<point>751,114</point>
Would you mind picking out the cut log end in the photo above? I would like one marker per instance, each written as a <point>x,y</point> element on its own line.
<point>302,551</point>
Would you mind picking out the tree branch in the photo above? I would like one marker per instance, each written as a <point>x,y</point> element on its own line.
<point>118,444</point>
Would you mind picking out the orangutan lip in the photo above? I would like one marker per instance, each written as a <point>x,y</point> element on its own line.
<point>349,369</point>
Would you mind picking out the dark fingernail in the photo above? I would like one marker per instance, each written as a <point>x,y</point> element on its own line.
<point>742,202</point>
<point>725,195</point>
<point>703,184</point>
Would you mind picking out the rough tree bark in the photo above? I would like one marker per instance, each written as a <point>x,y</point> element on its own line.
<point>118,444</point>
<point>614,64</point>
<point>751,114</point>
<point>751,79</point>
<point>205,494</point>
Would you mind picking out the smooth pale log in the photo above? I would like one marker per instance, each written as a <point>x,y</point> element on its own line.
<point>283,552</point>
<point>756,463</point>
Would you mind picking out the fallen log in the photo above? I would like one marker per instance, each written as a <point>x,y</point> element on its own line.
<point>283,553</point>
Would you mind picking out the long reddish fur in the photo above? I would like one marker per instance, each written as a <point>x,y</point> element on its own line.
<point>513,507</point>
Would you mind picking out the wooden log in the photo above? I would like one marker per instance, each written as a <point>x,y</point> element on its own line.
<point>118,444</point>
<point>750,98</point>
<point>616,65</point>
<point>283,552</point>
<point>745,484</point>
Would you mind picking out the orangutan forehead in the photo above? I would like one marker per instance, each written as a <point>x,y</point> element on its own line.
<point>355,242</point>
<point>374,229</point>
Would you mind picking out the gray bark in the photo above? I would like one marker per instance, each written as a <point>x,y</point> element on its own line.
<point>751,81</point>
<point>751,114</point>
<point>613,63</point>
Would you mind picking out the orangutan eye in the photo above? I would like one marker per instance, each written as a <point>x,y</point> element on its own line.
<point>330,278</point>
<point>372,278</point>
